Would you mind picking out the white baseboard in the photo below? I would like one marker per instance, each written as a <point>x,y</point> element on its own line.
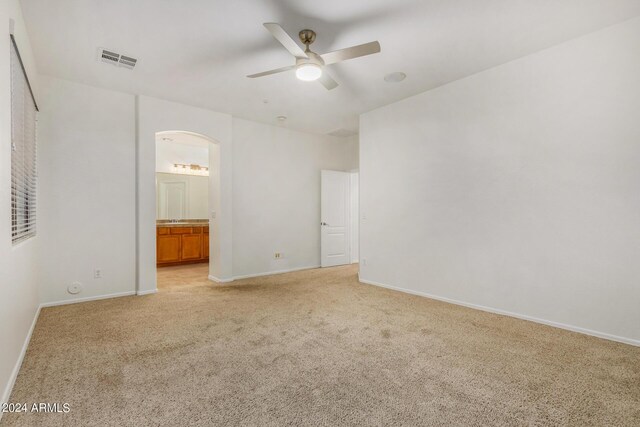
<point>266,273</point>
<point>16,369</point>
<point>217,280</point>
<point>572,328</point>
<point>98,297</point>
<point>271,273</point>
<point>147,292</point>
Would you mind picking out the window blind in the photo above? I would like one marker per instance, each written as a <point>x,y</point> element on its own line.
<point>23,152</point>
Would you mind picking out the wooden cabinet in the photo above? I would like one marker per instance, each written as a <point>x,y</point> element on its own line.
<point>181,245</point>
<point>168,249</point>
<point>205,245</point>
<point>191,246</point>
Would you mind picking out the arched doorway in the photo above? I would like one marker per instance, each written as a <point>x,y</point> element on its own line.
<point>187,203</point>
<point>155,117</point>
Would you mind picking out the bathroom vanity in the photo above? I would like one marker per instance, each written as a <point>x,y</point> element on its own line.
<point>182,242</point>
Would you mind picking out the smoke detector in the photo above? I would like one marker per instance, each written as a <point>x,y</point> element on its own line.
<point>396,77</point>
<point>119,60</point>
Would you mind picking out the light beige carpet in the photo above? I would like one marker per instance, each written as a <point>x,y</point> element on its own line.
<point>315,348</point>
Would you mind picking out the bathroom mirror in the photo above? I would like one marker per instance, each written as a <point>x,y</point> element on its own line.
<point>182,196</point>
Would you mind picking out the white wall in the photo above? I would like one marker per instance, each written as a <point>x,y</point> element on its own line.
<point>89,166</point>
<point>169,153</point>
<point>18,281</point>
<point>516,189</point>
<point>355,220</point>
<point>87,190</point>
<point>276,195</point>
<point>350,150</point>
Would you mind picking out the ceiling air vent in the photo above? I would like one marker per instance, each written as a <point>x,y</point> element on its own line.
<point>110,57</point>
<point>113,58</point>
<point>128,62</point>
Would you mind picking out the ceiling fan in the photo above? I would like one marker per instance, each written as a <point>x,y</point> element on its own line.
<point>309,65</point>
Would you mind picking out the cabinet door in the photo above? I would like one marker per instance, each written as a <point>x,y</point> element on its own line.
<point>168,249</point>
<point>191,246</point>
<point>205,245</point>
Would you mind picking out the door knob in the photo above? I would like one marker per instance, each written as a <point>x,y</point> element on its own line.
<point>323,223</point>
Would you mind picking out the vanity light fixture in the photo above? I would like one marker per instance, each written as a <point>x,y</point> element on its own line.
<point>192,169</point>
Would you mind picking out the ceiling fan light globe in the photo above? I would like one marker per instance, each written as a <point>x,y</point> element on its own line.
<point>308,72</point>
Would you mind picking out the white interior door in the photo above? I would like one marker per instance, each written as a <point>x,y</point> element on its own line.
<point>334,218</point>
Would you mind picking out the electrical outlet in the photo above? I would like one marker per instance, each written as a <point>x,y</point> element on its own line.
<point>278,255</point>
<point>364,261</point>
<point>97,273</point>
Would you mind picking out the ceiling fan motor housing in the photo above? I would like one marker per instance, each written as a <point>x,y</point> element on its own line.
<point>307,36</point>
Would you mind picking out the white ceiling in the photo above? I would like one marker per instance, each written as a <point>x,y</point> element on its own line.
<point>184,138</point>
<point>198,52</point>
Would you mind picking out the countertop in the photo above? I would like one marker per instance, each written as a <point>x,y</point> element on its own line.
<point>186,223</point>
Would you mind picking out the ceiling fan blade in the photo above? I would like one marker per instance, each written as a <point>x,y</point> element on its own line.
<point>350,52</point>
<point>277,70</point>
<point>327,81</point>
<point>281,35</point>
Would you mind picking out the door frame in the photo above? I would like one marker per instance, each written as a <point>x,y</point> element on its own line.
<point>154,116</point>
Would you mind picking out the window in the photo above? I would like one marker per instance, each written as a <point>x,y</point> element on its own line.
<point>23,152</point>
